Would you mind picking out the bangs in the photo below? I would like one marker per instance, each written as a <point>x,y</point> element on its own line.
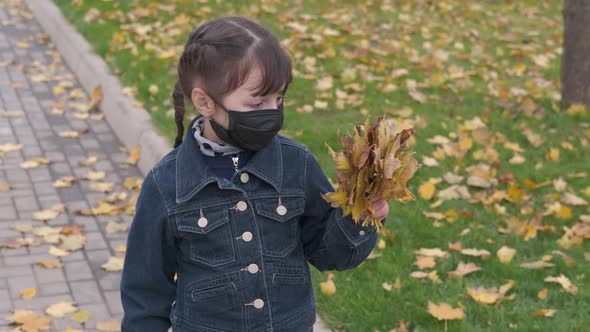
<point>275,67</point>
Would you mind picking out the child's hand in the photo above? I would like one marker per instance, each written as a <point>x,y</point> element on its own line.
<point>381,208</point>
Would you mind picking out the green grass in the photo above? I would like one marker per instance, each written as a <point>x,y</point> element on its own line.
<point>487,39</point>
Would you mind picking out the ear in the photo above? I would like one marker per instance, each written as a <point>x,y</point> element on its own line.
<point>203,103</point>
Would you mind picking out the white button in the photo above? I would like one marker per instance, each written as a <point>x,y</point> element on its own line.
<point>202,222</point>
<point>242,206</point>
<point>281,210</point>
<point>252,268</point>
<point>247,236</point>
<point>362,232</point>
<point>244,177</point>
<point>258,303</point>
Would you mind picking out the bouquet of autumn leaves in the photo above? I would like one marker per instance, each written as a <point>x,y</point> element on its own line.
<point>374,163</point>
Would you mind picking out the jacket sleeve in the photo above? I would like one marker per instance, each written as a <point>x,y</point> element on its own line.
<point>330,241</point>
<point>147,282</point>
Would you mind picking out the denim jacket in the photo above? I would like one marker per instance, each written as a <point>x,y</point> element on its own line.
<point>239,247</point>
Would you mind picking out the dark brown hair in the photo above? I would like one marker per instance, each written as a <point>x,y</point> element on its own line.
<point>218,57</point>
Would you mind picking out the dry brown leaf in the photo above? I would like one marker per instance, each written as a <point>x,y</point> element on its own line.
<point>567,285</point>
<point>328,287</point>
<point>113,325</point>
<point>373,164</point>
<point>432,252</point>
<point>484,254</point>
<point>463,269</point>
<point>505,254</point>
<point>536,265</point>
<point>114,264</point>
<point>545,313</point>
<point>28,293</point>
<point>134,156</point>
<point>64,182</point>
<point>60,309</point>
<point>69,134</point>
<point>96,98</point>
<point>88,161</point>
<point>491,295</point>
<point>34,162</point>
<point>542,294</point>
<point>95,176</point>
<point>5,187</point>
<point>49,214</point>
<point>444,311</point>
<point>9,147</point>
<point>103,187</point>
<point>425,262</point>
<point>49,263</point>
<point>29,321</point>
<point>81,316</point>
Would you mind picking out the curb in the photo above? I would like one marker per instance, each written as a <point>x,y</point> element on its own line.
<point>132,125</point>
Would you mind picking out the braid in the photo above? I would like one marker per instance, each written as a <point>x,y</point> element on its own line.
<point>188,58</point>
<point>178,99</point>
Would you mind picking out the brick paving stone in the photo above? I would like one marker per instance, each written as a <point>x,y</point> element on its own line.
<point>81,279</point>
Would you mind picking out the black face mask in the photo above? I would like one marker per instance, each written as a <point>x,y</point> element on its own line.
<point>251,130</point>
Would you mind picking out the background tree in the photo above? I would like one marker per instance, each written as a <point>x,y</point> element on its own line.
<point>575,62</point>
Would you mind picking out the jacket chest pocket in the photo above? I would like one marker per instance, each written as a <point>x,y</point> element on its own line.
<point>278,224</point>
<point>207,235</point>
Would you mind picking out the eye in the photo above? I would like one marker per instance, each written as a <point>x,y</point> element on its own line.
<point>257,105</point>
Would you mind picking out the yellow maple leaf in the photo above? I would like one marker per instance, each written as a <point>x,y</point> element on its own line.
<point>444,311</point>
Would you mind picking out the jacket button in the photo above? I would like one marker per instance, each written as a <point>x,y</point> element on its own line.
<point>252,268</point>
<point>281,210</point>
<point>362,232</point>
<point>258,303</point>
<point>202,222</point>
<point>242,206</point>
<point>244,177</point>
<point>247,236</point>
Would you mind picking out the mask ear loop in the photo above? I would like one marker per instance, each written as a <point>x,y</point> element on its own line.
<point>224,110</point>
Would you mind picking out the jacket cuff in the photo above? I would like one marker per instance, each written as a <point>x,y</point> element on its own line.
<point>355,233</point>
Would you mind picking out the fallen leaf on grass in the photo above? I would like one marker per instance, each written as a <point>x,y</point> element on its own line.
<point>492,295</point>
<point>536,265</point>
<point>444,311</point>
<point>505,254</point>
<point>484,254</point>
<point>567,285</point>
<point>463,269</point>
<point>432,252</point>
<point>545,313</point>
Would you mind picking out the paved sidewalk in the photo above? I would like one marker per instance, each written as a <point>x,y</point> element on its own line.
<point>26,62</point>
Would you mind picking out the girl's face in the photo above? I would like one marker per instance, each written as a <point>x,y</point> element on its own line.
<point>243,100</point>
<point>240,100</point>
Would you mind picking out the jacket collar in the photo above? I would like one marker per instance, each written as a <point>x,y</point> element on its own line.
<point>193,174</point>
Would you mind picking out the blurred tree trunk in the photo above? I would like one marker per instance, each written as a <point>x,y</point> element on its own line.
<point>575,61</point>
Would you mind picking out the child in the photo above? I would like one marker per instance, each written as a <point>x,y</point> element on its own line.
<point>235,209</point>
